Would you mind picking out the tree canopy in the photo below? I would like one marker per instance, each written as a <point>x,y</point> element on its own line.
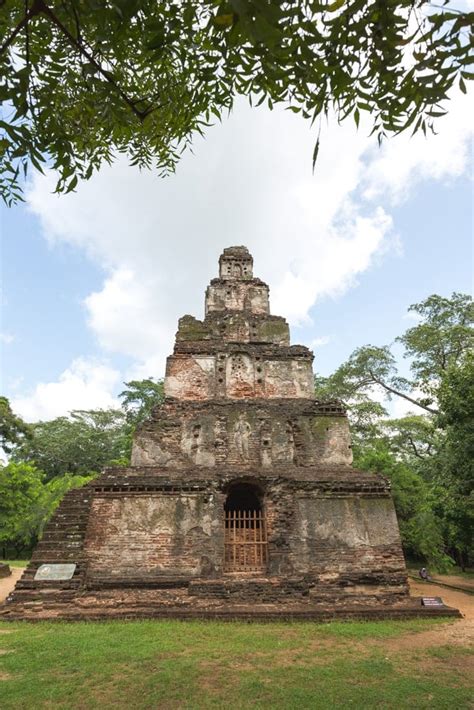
<point>79,444</point>
<point>82,81</point>
<point>140,398</point>
<point>428,455</point>
<point>13,430</point>
<point>438,343</point>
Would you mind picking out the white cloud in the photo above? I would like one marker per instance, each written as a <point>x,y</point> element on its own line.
<point>249,182</point>
<point>320,342</point>
<point>83,385</point>
<point>402,162</point>
<point>400,407</point>
<point>6,338</point>
<point>413,316</point>
<point>122,315</point>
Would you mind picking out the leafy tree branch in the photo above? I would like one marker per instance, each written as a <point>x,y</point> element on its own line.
<point>143,78</point>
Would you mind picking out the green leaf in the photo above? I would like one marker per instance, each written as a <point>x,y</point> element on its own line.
<point>157,41</point>
<point>315,153</point>
<point>72,184</point>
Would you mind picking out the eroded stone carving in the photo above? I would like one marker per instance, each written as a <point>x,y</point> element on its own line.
<point>242,431</point>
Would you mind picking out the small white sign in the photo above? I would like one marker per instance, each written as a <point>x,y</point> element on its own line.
<point>55,572</point>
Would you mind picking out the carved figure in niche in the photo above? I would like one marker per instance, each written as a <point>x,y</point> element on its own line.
<point>265,443</point>
<point>290,441</point>
<point>195,441</point>
<point>236,271</point>
<point>241,437</point>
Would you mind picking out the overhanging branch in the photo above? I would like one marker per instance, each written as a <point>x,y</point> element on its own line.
<point>401,394</point>
<point>40,7</point>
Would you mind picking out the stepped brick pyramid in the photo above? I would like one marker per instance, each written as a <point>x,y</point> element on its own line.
<point>240,500</point>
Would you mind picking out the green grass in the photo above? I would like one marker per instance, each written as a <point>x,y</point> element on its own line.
<point>16,563</point>
<point>193,665</point>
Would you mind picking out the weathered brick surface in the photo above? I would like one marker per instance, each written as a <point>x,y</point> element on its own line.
<point>271,435</point>
<point>239,414</point>
<point>160,533</point>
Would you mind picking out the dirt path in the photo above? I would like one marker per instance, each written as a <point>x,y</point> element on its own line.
<point>7,583</point>
<point>455,581</point>
<point>451,597</point>
<point>452,633</point>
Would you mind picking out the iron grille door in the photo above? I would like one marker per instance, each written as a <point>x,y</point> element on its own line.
<point>245,541</point>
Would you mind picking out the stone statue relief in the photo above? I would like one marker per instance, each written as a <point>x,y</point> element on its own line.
<point>241,437</point>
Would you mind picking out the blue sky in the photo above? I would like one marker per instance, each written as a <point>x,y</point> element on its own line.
<point>93,283</point>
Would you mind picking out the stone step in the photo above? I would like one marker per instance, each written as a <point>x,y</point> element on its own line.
<point>35,610</point>
<point>98,583</point>
<point>60,537</point>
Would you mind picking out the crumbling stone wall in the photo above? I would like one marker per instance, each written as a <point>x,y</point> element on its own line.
<point>153,534</point>
<point>282,432</point>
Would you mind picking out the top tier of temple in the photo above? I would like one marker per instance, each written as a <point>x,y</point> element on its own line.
<point>236,263</point>
<point>236,289</point>
<point>239,350</point>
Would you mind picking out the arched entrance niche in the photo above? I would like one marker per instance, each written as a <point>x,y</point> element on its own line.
<point>245,540</point>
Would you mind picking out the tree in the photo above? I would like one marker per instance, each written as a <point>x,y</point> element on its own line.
<point>27,502</point>
<point>415,439</point>
<point>21,504</point>
<point>455,472</point>
<point>428,456</point>
<point>421,530</point>
<point>83,81</point>
<point>365,414</point>
<point>442,339</point>
<point>80,444</point>
<point>13,430</point>
<point>140,398</point>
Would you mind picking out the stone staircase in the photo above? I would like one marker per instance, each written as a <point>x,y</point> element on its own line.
<point>62,542</point>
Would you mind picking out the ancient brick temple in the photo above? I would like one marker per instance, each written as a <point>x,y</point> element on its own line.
<point>240,499</point>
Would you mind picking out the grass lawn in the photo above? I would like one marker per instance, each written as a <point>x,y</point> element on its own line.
<point>172,664</point>
<point>16,563</point>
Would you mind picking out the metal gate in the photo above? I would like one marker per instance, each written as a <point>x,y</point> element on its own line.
<point>245,541</point>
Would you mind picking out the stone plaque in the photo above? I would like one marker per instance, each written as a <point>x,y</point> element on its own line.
<point>55,572</point>
<point>432,601</point>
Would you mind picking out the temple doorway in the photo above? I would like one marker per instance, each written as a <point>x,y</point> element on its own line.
<point>245,539</point>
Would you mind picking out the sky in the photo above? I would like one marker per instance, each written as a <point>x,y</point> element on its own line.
<point>93,282</point>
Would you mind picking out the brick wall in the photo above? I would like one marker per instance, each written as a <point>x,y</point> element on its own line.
<point>206,434</point>
<point>152,535</point>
